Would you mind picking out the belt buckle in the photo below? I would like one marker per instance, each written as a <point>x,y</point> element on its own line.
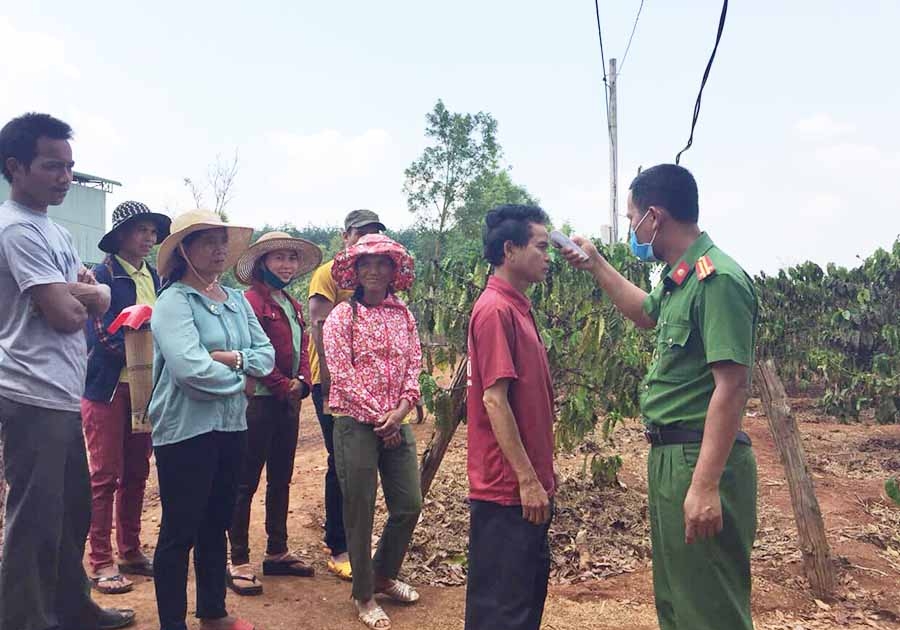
<point>651,433</point>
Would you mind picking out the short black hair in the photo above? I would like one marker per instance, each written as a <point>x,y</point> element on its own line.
<point>19,138</point>
<point>670,186</point>
<point>509,223</point>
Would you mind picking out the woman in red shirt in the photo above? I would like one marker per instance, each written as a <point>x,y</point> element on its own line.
<point>375,359</point>
<point>269,266</point>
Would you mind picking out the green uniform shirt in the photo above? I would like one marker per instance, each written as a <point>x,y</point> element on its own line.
<point>700,322</point>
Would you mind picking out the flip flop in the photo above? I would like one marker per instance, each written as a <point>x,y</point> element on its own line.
<point>101,584</point>
<point>289,564</point>
<point>141,567</point>
<point>374,616</point>
<point>239,624</point>
<point>400,592</point>
<point>341,569</point>
<point>253,587</point>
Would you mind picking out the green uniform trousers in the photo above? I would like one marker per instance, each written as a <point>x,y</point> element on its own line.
<point>706,585</point>
<point>359,457</point>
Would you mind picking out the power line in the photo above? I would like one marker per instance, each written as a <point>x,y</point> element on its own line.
<point>603,63</point>
<point>703,82</point>
<point>602,59</point>
<point>633,29</point>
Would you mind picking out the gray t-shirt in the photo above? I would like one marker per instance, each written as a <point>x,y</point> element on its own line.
<point>38,365</point>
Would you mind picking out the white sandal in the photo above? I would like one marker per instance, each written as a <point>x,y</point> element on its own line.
<point>401,592</point>
<point>373,617</point>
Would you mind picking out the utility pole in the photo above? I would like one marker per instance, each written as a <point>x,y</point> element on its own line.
<point>613,156</point>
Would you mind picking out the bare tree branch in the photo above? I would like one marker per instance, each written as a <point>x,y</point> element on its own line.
<point>221,178</point>
<point>196,192</point>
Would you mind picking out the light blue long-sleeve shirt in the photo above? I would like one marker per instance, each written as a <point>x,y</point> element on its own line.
<point>194,394</point>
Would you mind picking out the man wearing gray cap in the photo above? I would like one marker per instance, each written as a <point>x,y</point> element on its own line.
<point>324,295</point>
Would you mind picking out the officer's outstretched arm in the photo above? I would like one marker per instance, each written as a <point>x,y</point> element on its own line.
<point>627,297</point>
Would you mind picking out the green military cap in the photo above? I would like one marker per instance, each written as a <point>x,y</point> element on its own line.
<point>362,218</point>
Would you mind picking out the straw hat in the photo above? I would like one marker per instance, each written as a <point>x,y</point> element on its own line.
<point>125,213</point>
<point>309,253</point>
<point>344,269</point>
<point>195,221</point>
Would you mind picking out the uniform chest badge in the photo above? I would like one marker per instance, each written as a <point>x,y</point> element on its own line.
<point>680,273</point>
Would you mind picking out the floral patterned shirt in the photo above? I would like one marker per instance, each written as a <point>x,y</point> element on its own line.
<point>374,361</point>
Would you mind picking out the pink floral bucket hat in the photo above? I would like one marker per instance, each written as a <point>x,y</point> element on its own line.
<point>344,269</point>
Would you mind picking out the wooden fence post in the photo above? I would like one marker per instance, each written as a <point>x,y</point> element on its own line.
<point>810,527</point>
<point>443,433</point>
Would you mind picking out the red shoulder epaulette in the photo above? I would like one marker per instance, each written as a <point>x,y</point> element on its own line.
<point>705,268</point>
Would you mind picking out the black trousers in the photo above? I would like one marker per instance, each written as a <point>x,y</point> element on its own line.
<point>198,481</point>
<point>272,429</point>
<point>509,567</point>
<point>48,512</point>
<point>335,537</point>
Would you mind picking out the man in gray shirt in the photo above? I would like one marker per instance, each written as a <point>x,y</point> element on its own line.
<point>46,296</point>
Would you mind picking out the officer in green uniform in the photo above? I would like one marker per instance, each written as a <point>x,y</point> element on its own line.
<point>701,469</point>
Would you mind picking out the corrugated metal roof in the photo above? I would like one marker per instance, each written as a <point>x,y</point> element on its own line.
<point>84,178</point>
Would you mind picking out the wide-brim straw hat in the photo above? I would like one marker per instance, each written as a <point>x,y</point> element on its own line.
<point>125,213</point>
<point>344,269</point>
<point>309,253</point>
<point>195,221</point>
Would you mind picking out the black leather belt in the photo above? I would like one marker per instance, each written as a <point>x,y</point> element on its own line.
<point>663,436</point>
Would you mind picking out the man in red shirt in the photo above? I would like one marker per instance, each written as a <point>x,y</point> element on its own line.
<point>510,431</point>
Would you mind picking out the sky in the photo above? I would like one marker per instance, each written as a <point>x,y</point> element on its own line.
<point>796,153</point>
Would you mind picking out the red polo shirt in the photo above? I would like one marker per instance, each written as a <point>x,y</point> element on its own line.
<point>504,343</point>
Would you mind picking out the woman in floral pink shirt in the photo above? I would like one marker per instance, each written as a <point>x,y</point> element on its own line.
<point>375,359</point>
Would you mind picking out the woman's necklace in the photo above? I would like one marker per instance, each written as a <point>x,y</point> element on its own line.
<point>214,291</point>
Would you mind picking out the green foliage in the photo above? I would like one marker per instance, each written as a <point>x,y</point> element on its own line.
<point>435,398</point>
<point>837,330</point>
<point>442,300</point>
<point>892,489</point>
<point>605,469</point>
<point>487,191</point>
<point>597,358</point>
<point>463,148</point>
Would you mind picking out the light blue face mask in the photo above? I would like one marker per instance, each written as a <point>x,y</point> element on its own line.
<point>644,251</point>
<point>274,281</point>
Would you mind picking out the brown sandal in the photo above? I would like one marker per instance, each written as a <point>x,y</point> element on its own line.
<point>287,564</point>
<point>243,584</point>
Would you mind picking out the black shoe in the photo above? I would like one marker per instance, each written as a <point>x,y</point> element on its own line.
<point>113,618</point>
<point>93,617</point>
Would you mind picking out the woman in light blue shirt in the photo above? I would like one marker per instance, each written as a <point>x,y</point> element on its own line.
<point>207,340</point>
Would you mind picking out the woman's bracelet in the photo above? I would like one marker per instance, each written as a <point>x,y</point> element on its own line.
<point>238,361</point>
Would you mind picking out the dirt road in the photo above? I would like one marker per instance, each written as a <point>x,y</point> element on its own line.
<point>848,462</point>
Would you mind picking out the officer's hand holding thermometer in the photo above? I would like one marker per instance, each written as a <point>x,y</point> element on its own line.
<point>578,251</point>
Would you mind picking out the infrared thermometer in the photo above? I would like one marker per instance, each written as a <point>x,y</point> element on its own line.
<point>561,241</point>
